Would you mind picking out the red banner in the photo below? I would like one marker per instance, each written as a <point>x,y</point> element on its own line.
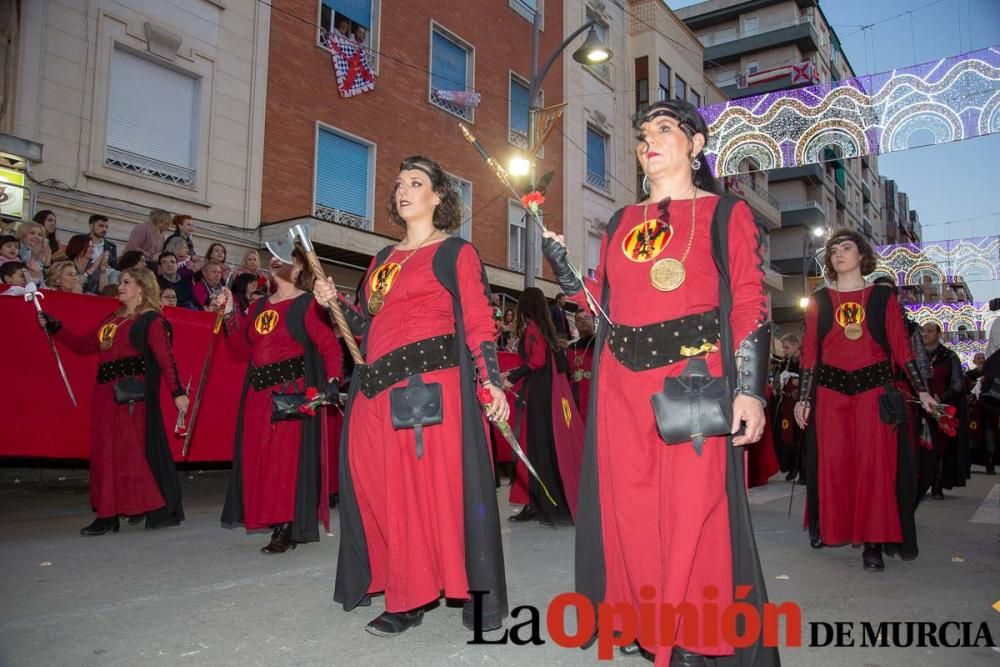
<point>39,419</point>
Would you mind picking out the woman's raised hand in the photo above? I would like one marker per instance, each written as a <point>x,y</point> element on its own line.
<point>325,291</point>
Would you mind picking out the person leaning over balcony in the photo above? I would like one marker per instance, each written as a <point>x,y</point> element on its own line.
<point>147,238</point>
<point>418,510</point>
<point>860,472</point>
<point>670,514</point>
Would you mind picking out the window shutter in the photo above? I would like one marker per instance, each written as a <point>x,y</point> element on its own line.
<point>342,168</point>
<point>359,11</point>
<point>595,152</point>
<point>519,103</point>
<point>448,64</point>
<point>152,110</point>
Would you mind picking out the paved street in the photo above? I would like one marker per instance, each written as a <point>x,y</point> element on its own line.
<point>201,595</point>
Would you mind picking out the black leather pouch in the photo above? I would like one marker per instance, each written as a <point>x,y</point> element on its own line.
<point>286,406</point>
<point>693,406</point>
<point>892,407</point>
<point>129,389</point>
<point>414,406</point>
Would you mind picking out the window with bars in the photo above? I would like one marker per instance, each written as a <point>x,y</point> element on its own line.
<point>156,140</point>
<point>353,19</point>
<point>597,156</point>
<point>451,70</point>
<point>344,179</point>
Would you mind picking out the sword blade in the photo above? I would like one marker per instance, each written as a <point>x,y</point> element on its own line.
<point>196,405</point>
<point>62,369</point>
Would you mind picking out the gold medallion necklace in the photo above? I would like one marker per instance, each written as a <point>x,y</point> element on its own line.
<point>853,329</point>
<point>669,274</point>
<point>377,299</point>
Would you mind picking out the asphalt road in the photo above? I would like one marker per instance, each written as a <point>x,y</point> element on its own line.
<point>203,595</point>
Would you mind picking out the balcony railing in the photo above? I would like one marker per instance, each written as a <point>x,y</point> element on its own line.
<point>799,205</point>
<point>339,217</point>
<point>461,111</point>
<point>518,138</point>
<point>599,181</point>
<point>726,36</point>
<point>747,184</point>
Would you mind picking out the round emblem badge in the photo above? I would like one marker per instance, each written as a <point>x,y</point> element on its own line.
<point>265,322</point>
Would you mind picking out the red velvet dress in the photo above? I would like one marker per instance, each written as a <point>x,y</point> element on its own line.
<point>120,479</point>
<point>533,357</point>
<point>857,453</point>
<point>412,509</point>
<point>271,449</point>
<point>664,509</point>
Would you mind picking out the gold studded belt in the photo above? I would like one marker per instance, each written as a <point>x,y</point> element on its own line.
<point>424,356</point>
<point>655,345</point>
<point>109,371</point>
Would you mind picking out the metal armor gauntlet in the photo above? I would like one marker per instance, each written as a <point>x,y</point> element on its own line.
<point>559,261</point>
<point>488,349</point>
<point>807,379</point>
<point>917,380</point>
<point>753,356</point>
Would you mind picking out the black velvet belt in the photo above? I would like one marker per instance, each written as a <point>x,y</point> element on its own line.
<point>109,371</point>
<point>850,383</point>
<point>656,345</point>
<point>280,372</point>
<point>424,356</point>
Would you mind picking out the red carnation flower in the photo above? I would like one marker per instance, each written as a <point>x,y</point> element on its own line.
<point>485,396</point>
<point>307,409</point>
<point>536,198</point>
<point>950,410</point>
<point>312,394</point>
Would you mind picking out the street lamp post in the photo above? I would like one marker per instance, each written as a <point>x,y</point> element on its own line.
<point>593,51</point>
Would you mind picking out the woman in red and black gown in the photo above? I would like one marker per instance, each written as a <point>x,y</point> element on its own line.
<point>540,383</point>
<point>132,472</point>
<point>651,516</point>
<point>859,461</point>
<point>418,511</point>
<point>580,356</point>
<point>279,481</point>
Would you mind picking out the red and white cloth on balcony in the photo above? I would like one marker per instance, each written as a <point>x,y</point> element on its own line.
<point>351,64</point>
<point>803,72</point>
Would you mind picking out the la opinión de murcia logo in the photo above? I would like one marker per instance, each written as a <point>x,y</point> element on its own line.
<point>738,624</point>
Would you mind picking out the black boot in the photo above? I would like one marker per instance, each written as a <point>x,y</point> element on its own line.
<point>527,513</point>
<point>133,519</point>
<point>100,526</point>
<point>936,492</point>
<point>816,542</point>
<point>792,474</point>
<point>281,540</point>
<point>680,657</point>
<point>390,624</point>
<point>334,499</point>
<point>872,557</point>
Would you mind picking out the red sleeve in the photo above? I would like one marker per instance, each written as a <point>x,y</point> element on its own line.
<point>86,344</point>
<point>477,314</point>
<point>159,345</point>
<point>895,332</point>
<point>236,329</point>
<point>321,333</point>
<point>807,354</point>
<point>534,347</point>
<point>746,274</point>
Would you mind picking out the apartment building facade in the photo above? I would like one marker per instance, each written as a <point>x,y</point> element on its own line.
<point>759,46</point>
<point>136,105</point>
<point>332,160</point>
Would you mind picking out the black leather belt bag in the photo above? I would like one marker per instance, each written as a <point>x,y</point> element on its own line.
<point>664,343</point>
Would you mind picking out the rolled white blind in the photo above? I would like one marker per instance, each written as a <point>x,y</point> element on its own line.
<point>152,110</point>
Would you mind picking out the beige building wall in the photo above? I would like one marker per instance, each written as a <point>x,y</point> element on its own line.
<point>599,99</point>
<point>65,54</point>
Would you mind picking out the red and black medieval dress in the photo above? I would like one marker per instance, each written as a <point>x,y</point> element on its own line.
<point>859,460</point>
<point>785,431</point>
<point>580,356</point>
<point>658,515</point>
<point>131,468</point>
<point>552,435</point>
<point>279,467</point>
<point>945,464</point>
<point>418,516</point>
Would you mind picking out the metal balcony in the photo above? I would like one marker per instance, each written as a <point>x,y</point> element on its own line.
<point>729,48</point>
<point>809,213</point>
<point>812,173</point>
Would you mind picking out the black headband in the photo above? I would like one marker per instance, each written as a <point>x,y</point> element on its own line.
<point>418,167</point>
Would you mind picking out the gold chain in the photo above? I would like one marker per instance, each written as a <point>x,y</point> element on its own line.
<point>694,198</point>
<point>413,252</point>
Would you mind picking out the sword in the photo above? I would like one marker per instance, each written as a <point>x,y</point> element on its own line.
<point>501,174</point>
<point>220,314</point>
<point>32,294</point>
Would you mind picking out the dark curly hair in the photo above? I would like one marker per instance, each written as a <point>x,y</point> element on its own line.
<point>691,123</point>
<point>448,214</point>
<point>868,260</point>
